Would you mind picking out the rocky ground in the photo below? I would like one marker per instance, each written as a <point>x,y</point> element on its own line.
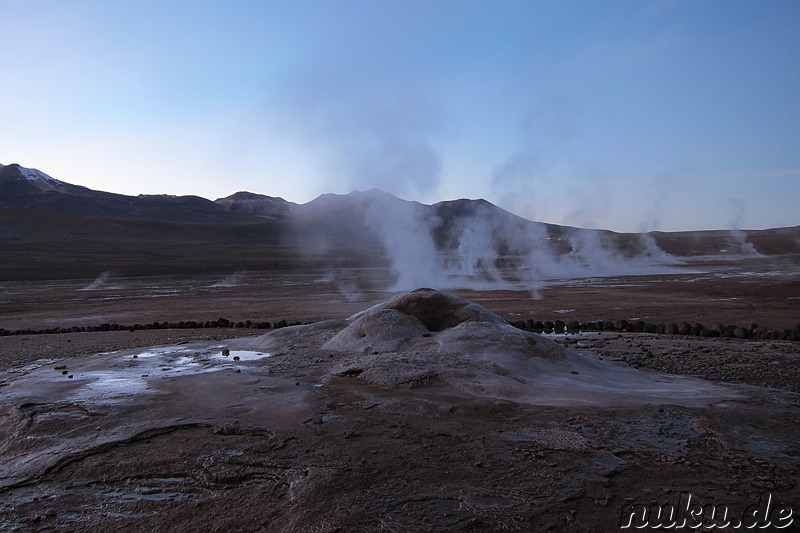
<point>309,439</point>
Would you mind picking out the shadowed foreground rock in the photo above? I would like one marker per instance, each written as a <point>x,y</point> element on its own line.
<point>424,413</point>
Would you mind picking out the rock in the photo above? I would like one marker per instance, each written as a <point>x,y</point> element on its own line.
<point>438,311</point>
<point>796,332</point>
<point>559,326</point>
<point>741,333</point>
<point>685,329</point>
<point>573,326</point>
<point>705,332</point>
<point>671,329</point>
<point>282,323</point>
<point>650,328</point>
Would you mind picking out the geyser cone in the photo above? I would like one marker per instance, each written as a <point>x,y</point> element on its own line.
<point>428,338</point>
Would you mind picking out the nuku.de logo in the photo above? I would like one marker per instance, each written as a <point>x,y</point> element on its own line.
<point>690,514</point>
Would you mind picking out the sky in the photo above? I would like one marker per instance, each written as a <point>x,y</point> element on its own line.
<point>625,115</point>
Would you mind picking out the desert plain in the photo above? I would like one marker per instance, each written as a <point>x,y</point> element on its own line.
<point>458,424</point>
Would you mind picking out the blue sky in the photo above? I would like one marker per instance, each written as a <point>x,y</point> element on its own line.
<point>626,115</point>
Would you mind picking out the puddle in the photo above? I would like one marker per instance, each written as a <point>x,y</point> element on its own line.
<point>242,355</point>
<point>117,376</point>
<point>155,352</point>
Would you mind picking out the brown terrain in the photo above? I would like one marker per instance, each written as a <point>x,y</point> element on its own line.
<point>147,387</point>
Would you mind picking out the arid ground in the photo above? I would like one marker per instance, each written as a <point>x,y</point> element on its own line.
<point>156,429</point>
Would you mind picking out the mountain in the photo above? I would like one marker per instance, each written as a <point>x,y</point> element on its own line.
<point>259,205</point>
<point>25,188</point>
<point>52,229</point>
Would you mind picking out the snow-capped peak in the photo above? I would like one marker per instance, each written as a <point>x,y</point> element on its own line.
<point>31,174</point>
<point>19,172</point>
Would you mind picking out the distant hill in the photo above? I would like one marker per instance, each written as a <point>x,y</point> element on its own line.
<point>53,229</point>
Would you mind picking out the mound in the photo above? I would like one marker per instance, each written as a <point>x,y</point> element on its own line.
<point>428,338</point>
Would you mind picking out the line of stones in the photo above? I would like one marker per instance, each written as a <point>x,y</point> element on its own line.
<point>755,331</point>
<point>191,324</point>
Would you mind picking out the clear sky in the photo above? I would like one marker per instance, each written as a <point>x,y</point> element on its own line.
<point>628,115</point>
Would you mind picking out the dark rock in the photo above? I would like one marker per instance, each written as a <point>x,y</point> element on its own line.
<point>620,324</point>
<point>796,333</point>
<point>608,326</point>
<point>685,329</point>
<point>741,333</point>
<point>573,326</point>
<point>705,332</point>
<point>549,325</point>
<point>650,328</point>
<point>672,329</point>
<point>282,323</point>
<point>559,326</point>
<point>637,326</point>
<point>519,324</point>
<point>223,322</point>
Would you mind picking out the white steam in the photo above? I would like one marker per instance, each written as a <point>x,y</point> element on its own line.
<point>490,249</point>
<point>740,244</point>
<point>98,282</point>
<point>405,234</point>
<point>232,280</point>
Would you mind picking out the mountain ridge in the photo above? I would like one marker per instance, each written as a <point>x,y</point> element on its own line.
<point>53,229</point>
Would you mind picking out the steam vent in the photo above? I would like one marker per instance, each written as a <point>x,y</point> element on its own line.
<point>428,338</point>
